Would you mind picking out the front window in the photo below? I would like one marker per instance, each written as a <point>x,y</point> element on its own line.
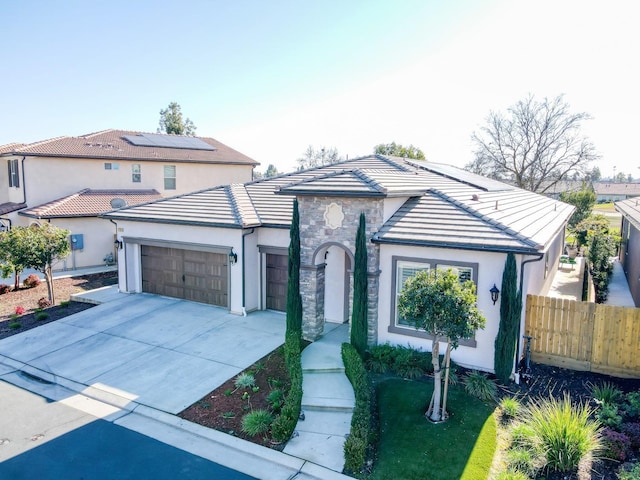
<point>406,268</point>
<point>169,177</point>
<point>136,173</point>
<point>14,176</point>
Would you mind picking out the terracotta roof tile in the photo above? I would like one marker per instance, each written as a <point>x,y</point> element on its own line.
<point>111,144</point>
<point>11,207</point>
<point>89,203</point>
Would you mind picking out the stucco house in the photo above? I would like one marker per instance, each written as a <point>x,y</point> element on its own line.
<point>228,245</point>
<point>613,192</point>
<point>630,244</point>
<point>60,180</point>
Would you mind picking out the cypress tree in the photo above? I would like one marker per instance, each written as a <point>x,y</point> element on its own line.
<point>359,316</point>
<point>294,300</point>
<point>510,311</point>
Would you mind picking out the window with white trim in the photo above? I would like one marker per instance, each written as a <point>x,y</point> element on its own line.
<point>405,271</point>
<point>169,177</point>
<point>14,175</point>
<point>136,173</point>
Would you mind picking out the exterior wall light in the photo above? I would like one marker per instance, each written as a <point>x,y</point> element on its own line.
<point>494,293</point>
<point>118,244</point>
<point>233,257</point>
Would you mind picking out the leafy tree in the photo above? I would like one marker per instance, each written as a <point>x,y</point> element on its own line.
<point>595,175</point>
<point>317,158</point>
<point>10,255</point>
<point>583,200</point>
<point>294,300</point>
<point>360,291</point>
<point>629,178</point>
<point>39,247</point>
<point>620,177</point>
<point>536,145</point>
<point>589,226</point>
<point>510,311</point>
<point>602,247</point>
<point>398,150</point>
<point>440,304</point>
<point>271,171</point>
<point>172,121</point>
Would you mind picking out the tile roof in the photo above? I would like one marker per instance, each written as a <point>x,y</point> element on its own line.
<point>630,209</point>
<point>112,144</point>
<point>441,209</point>
<point>89,203</point>
<point>607,188</point>
<point>9,207</point>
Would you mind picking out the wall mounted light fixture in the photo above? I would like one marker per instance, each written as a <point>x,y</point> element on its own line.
<point>494,293</point>
<point>233,257</point>
<point>118,244</point>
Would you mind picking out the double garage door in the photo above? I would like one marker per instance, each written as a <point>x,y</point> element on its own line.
<point>188,274</point>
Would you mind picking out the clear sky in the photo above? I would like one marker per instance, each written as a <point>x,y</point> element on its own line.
<point>269,78</point>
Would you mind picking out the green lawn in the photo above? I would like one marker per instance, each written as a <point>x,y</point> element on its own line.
<point>411,447</point>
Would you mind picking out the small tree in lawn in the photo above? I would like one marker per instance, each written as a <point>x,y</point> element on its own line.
<point>40,247</point>
<point>359,316</point>
<point>294,300</point>
<point>510,311</point>
<point>10,255</point>
<point>440,304</point>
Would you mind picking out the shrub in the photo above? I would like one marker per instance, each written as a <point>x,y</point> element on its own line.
<point>256,422</point>
<point>512,475</point>
<point>40,316</point>
<point>480,386</point>
<point>510,407</point>
<point>44,303</point>
<point>4,288</point>
<point>606,392</point>
<point>608,415</point>
<point>524,460</point>
<point>631,472</point>
<point>245,380</point>
<point>523,436</point>
<point>66,303</point>
<point>284,424</point>
<point>632,430</point>
<point>380,358</point>
<point>275,399</point>
<point>631,405</point>
<point>20,310</point>
<point>31,281</point>
<point>615,445</point>
<point>355,446</point>
<point>565,432</point>
<point>410,363</point>
<point>15,325</point>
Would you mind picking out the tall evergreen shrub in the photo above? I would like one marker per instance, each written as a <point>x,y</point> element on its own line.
<point>510,311</point>
<point>294,300</point>
<point>359,316</point>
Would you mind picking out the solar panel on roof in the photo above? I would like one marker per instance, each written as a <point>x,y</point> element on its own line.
<point>464,176</point>
<point>168,141</point>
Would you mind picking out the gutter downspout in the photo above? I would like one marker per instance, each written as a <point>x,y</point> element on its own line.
<point>24,183</point>
<point>124,262</point>
<point>244,310</point>
<point>522,264</point>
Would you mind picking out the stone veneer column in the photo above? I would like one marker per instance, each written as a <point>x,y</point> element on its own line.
<point>315,231</point>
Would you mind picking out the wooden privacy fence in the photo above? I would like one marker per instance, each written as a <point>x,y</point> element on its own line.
<point>584,336</point>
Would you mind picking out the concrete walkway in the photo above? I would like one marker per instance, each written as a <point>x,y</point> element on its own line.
<point>327,402</point>
<point>619,293</point>
<point>567,283</point>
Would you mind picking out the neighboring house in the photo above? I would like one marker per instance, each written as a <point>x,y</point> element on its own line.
<point>228,245</point>
<point>565,186</point>
<point>630,244</point>
<point>37,173</point>
<point>614,192</point>
<point>92,238</point>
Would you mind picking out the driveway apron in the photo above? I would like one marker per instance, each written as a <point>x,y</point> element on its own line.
<point>156,351</point>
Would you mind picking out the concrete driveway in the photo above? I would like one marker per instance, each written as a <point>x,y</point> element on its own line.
<point>144,349</point>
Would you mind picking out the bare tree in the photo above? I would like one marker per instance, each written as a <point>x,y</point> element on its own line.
<point>317,158</point>
<point>534,146</point>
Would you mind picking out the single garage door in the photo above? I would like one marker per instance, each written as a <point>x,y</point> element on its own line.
<point>277,274</point>
<point>188,274</point>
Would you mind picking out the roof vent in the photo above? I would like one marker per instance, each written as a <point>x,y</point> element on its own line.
<point>496,204</point>
<point>118,203</point>
<point>475,197</point>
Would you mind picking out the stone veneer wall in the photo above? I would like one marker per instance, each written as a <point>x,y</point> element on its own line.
<point>316,231</point>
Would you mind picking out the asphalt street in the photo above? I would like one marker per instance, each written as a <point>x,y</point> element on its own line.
<point>47,440</point>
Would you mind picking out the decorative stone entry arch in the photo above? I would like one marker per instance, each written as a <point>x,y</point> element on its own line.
<point>337,261</point>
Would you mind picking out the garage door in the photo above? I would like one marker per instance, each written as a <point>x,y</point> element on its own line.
<point>277,273</point>
<point>188,274</point>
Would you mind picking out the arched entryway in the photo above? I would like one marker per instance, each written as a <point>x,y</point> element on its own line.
<point>337,262</point>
